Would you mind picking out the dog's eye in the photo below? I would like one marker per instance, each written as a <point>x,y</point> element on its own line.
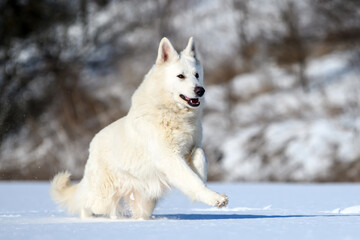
<point>196,75</point>
<point>181,76</point>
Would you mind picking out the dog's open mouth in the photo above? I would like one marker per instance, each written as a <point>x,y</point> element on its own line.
<point>193,102</point>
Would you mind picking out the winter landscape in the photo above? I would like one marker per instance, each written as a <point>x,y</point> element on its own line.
<point>281,122</point>
<point>282,83</point>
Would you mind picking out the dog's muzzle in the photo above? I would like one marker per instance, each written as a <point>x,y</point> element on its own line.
<point>193,102</point>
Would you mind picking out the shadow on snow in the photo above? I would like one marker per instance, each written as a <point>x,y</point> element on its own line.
<point>233,216</point>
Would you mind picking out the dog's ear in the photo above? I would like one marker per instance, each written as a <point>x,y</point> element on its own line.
<point>166,52</point>
<point>190,48</point>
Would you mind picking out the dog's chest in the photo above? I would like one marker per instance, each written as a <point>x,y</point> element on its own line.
<point>180,132</point>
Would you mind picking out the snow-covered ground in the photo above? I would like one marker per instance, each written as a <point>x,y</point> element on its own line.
<point>255,211</point>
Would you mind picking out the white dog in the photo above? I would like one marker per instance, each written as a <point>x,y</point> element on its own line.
<point>157,145</point>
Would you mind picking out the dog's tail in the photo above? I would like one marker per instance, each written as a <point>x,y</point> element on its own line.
<point>62,191</point>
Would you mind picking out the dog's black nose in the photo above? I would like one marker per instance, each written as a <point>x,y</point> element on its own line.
<point>199,91</point>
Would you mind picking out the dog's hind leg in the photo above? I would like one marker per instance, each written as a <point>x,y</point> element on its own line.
<point>115,210</point>
<point>141,207</point>
<point>114,213</point>
<point>85,213</point>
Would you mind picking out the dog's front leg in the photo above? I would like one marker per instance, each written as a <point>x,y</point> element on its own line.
<point>199,163</point>
<point>181,176</point>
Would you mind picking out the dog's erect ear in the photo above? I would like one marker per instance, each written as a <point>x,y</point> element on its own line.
<point>166,52</point>
<point>190,48</point>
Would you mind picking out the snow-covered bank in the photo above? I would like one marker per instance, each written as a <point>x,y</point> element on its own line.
<point>275,130</point>
<point>255,211</point>
<point>282,85</point>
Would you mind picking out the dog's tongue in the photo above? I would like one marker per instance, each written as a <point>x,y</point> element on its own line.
<point>194,100</point>
<point>187,99</point>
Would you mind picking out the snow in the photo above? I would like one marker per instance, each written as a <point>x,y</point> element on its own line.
<point>255,211</point>
<point>348,210</point>
<point>275,130</point>
<point>259,125</point>
<point>329,67</point>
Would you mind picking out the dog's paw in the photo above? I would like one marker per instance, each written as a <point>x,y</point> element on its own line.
<point>222,201</point>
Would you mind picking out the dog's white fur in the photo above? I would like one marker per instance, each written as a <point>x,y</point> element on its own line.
<point>157,145</point>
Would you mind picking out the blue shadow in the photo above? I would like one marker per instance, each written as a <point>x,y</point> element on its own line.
<point>235,216</point>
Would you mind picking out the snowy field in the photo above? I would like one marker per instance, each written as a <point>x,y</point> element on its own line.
<point>255,211</point>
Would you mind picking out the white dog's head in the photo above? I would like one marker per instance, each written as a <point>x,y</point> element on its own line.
<point>183,73</point>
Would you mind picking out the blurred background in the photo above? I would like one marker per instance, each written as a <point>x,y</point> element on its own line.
<point>282,82</point>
